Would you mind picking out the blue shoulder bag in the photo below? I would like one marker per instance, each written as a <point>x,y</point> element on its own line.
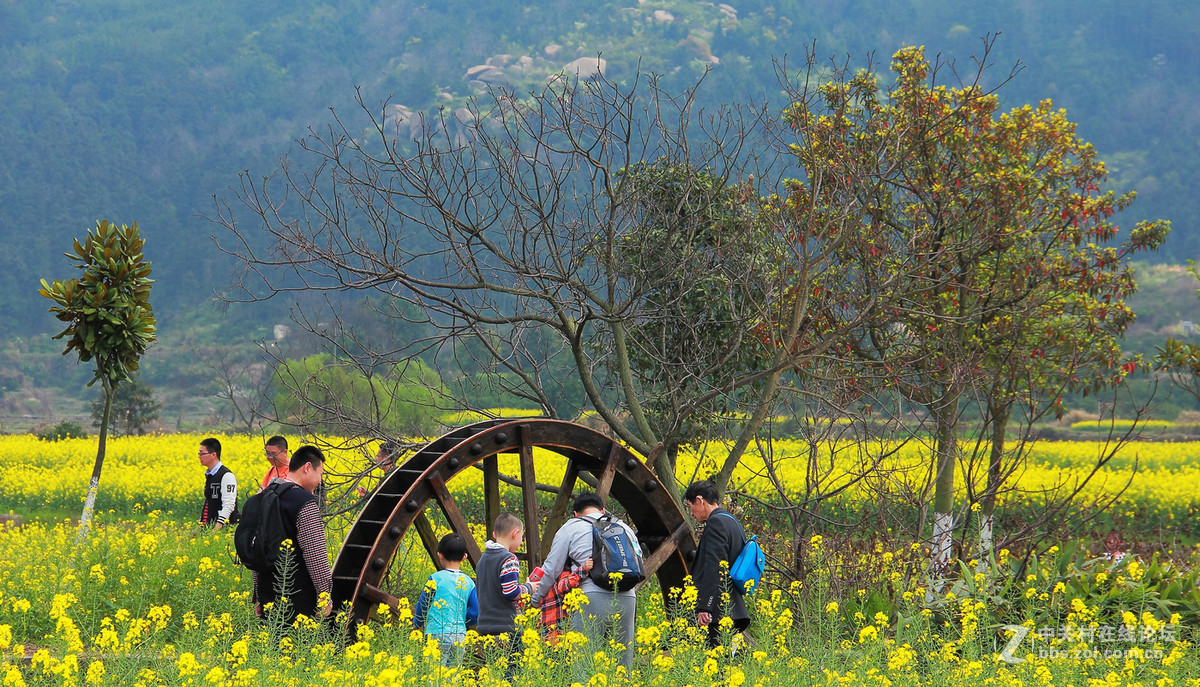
<point>747,570</point>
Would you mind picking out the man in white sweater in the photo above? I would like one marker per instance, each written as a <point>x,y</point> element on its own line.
<point>220,487</point>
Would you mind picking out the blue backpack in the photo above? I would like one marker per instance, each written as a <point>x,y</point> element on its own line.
<point>613,551</point>
<point>747,570</point>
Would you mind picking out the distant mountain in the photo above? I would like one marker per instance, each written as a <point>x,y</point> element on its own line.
<point>138,110</point>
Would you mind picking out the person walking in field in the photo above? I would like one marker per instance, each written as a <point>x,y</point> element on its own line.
<point>220,487</point>
<point>310,581</point>
<point>609,613</point>
<point>499,586</point>
<point>278,456</point>
<point>720,543</point>
<point>449,603</point>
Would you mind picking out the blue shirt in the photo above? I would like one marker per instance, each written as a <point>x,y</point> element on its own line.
<point>448,604</point>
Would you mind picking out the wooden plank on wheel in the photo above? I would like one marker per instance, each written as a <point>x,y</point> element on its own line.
<point>664,551</point>
<point>428,538</point>
<point>529,499</point>
<point>605,478</point>
<point>377,596</point>
<point>491,490</point>
<point>558,513</point>
<point>457,522</point>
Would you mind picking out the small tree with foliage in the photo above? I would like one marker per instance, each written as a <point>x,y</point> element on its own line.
<point>995,232</point>
<point>108,319</point>
<point>67,429</point>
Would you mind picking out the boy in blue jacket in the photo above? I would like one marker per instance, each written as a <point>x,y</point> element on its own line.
<point>448,605</point>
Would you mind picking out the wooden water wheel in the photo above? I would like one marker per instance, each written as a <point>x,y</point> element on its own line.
<point>361,570</point>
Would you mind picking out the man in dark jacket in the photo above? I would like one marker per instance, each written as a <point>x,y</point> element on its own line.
<point>721,542</point>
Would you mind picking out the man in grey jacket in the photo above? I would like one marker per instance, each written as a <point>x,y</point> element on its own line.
<point>606,608</point>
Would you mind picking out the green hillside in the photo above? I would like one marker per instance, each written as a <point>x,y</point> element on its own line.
<point>140,111</point>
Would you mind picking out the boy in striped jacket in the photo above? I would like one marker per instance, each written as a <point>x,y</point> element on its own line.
<point>499,587</point>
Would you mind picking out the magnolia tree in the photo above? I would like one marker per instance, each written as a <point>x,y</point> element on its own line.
<point>108,320</point>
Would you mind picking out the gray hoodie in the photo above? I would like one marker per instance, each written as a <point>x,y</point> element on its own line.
<point>572,546</point>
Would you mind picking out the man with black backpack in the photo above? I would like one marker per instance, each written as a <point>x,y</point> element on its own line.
<point>288,511</point>
<point>721,542</point>
<point>613,547</point>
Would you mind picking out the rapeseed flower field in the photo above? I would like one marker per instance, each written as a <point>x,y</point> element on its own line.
<point>1151,481</point>
<point>151,599</point>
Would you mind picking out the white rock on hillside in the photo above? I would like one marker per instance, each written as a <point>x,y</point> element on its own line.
<point>586,67</point>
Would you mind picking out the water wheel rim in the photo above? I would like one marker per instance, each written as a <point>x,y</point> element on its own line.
<point>399,503</point>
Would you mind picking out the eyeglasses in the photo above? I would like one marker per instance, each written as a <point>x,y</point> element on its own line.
<point>206,453</point>
<point>272,454</point>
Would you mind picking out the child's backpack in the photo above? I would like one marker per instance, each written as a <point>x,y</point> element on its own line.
<point>747,570</point>
<point>261,530</point>
<point>613,551</point>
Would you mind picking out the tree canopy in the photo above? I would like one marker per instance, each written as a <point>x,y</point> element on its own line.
<point>707,271</point>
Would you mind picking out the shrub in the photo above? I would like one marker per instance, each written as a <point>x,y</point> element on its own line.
<point>63,430</point>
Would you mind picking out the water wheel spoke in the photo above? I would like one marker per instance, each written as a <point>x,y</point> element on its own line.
<point>377,596</point>
<point>558,513</point>
<point>491,490</point>
<point>457,522</point>
<point>428,537</point>
<point>605,479</point>
<point>533,546</point>
<point>665,550</point>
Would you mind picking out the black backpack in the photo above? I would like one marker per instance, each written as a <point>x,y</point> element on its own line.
<point>613,551</point>
<point>261,530</point>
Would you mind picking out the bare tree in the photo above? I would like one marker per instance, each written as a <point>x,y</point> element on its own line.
<point>525,234</point>
<point>243,384</point>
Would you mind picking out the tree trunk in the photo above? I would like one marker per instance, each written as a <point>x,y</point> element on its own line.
<point>664,462</point>
<point>945,415</point>
<point>747,434</point>
<point>1000,414</point>
<point>89,504</point>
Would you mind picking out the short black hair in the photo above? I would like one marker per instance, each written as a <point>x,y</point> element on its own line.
<point>703,488</point>
<point>211,444</point>
<point>303,455</point>
<point>453,547</point>
<point>278,442</point>
<point>587,499</point>
<point>506,522</point>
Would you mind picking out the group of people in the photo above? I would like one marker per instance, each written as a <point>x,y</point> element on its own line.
<point>451,601</point>
<point>300,511</point>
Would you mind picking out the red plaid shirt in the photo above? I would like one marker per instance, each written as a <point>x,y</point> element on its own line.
<point>553,612</point>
